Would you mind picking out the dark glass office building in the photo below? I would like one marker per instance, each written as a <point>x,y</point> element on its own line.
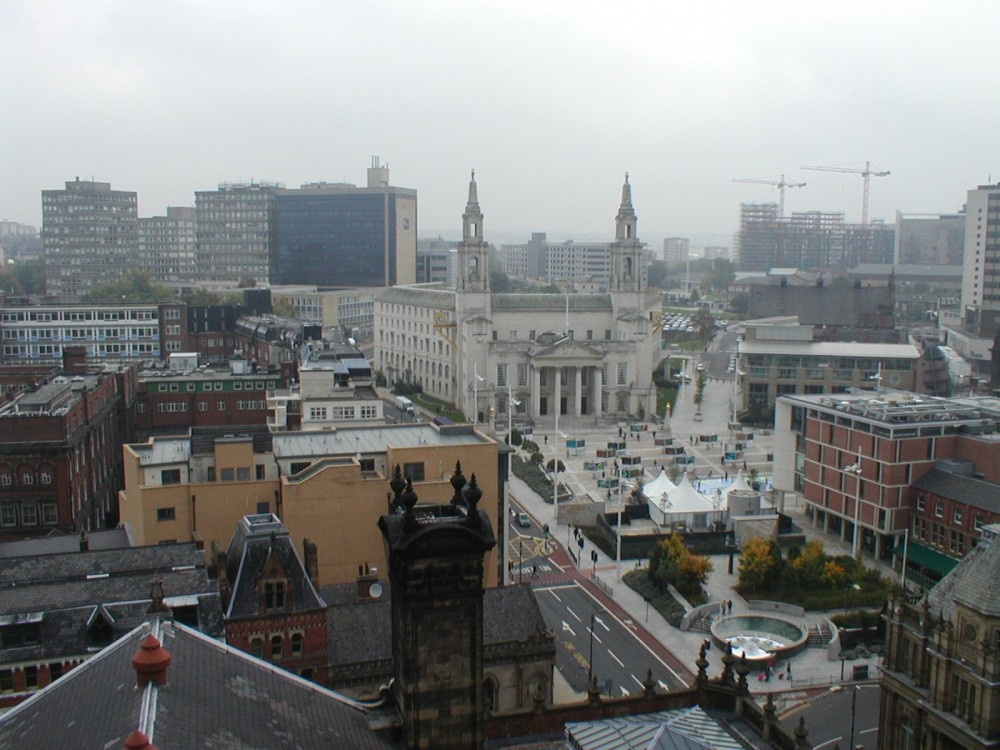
<point>345,236</point>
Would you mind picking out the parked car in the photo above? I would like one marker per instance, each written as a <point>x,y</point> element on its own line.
<point>523,520</point>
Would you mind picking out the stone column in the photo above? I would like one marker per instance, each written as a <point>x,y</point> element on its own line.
<point>536,392</point>
<point>557,389</point>
<point>577,391</point>
<point>598,388</point>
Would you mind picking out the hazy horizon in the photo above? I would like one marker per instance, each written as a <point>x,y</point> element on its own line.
<point>551,103</point>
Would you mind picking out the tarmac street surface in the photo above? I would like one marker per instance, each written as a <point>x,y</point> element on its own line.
<point>586,586</point>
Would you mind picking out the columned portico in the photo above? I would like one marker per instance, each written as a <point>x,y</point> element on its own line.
<point>536,392</point>
<point>556,391</point>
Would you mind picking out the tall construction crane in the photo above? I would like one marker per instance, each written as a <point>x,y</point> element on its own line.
<point>867,173</point>
<point>780,184</point>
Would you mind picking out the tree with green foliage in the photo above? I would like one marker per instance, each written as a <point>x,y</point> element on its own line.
<point>135,287</point>
<point>656,274</point>
<point>758,564</point>
<point>671,562</point>
<point>723,274</point>
<point>808,565</point>
<point>740,304</point>
<point>703,322</point>
<point>23,277</point>
<point>699,390</point>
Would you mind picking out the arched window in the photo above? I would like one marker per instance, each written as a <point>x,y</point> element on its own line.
<point>257,648</point>
<point>296,644</point>
<point>275,646</point>
<point>491,692</point>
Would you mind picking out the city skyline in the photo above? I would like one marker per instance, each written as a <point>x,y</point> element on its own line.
<point>168,100</point>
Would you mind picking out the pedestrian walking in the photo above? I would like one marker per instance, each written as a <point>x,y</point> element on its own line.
<point>546,439</point>
<point>729,606</point>
<point>744,466</point>
<point>654,434</point>
<point>788,669</point>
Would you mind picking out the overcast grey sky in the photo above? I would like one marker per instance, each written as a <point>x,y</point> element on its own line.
<point>550,101</point>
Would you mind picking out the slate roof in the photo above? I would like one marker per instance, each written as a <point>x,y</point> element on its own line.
<point>67,592</point>
<point>51,545</point>
<point>216,697</point>
<point>968,490</point>
<point>975,581</point>
<point>256,540</point>
<point>361,632</point>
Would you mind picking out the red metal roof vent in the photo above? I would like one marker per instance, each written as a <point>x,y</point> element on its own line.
<point>151,662</point>
<point>138,741</point>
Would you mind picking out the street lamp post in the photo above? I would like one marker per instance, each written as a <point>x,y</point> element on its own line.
<point>855,469</point>
<point>511,403</point>
<point>854,702</point>
<point>590,661</point>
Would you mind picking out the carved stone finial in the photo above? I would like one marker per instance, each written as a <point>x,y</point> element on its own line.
<point>473,494</point>
<point>397,484</point>
<point>457,483</point>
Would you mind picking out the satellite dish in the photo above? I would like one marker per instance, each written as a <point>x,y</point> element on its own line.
<point>375,590</point>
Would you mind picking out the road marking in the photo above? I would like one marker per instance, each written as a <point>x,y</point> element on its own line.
<point>625,693</point>
<point>868,731</point>
<point>565,626</point>
<point>640,682</point>
<point>601,622</point>
<point>643,643</point>
<point>596,637</point>
<point>663,685</point>
<point>612,655</point>
<point>568,609</point>
<point>828,742</point>
<point>554,594</point>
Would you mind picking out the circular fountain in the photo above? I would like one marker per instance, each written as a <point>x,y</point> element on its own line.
<point>759,637</point>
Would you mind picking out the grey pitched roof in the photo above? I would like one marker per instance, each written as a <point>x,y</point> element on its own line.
<point>361,631</point>
<point>51,545</point>
<point>69,590</point>
<point>969,490</point>
<point>216,696</point>
<point>551,302</point>
<point>974,582</point>
<point>257,539</point>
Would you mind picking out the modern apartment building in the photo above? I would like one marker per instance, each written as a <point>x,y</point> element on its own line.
<point>167,249</point>
<point>929,239</point>
<point>235,232</point>
<point>343,235</point>
<point>89,234</point>
<point>980,280</point>
<point>866,465</point>
<point>556,262</point>
<point>676,250</point>
<point>33,334</point>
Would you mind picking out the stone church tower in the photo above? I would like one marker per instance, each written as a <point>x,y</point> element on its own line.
<point>436,571</point>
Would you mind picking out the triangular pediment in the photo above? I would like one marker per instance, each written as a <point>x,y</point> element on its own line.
<point>566,348</point>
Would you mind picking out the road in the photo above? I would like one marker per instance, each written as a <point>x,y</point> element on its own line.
<point>620,659</point>
<point>620,655</point>
<point>828,718</point>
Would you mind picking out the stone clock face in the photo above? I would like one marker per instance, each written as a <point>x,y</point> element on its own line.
<point>969,631</point>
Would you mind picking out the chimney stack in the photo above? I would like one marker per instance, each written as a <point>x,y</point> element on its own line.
<point>311,555</point>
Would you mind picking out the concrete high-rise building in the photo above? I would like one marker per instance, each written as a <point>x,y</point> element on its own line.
<point>929,239</point>
<point>676,250</point>
<point>980,285</point>
<point>235,228</point>
<point>557,261</point>
<point>166,246</point>
<point>89,234</point>
<point>343,235</point>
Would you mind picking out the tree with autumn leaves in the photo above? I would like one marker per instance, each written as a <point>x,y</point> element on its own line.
<point>759,563</point>
<point>671,562</point>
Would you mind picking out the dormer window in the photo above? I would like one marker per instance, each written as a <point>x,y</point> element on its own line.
<point>274,595</point>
